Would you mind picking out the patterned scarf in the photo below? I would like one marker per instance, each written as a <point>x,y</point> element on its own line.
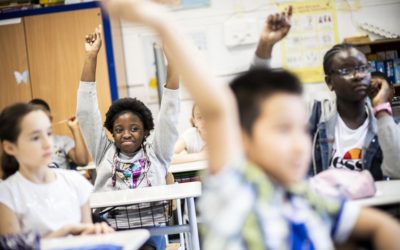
<point>132,174</point>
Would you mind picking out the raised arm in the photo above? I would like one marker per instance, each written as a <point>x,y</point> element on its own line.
<point>214,99</point>
<point>166,130</point>
<point>79,154</point>
<point>172,73</point>
<point>92,47</point>
<point>275,28</point>
<point>88,112</point>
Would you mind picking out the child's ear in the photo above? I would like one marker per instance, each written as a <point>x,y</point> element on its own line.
<point>146,134</point>
<point>192,122</point>
<point>9,147</point>
<point>246,139</point>
<point>328,81</point>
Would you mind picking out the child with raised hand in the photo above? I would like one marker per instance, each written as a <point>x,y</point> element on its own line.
<point>259,203</point>
<point>129,160</point>
<point>191,145</point>
<point>352,135</point>
<point>34,197</point>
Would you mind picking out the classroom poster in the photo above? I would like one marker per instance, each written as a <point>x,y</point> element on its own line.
<point>314,31</point>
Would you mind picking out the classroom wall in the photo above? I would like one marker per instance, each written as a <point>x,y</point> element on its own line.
<point>206,27</point>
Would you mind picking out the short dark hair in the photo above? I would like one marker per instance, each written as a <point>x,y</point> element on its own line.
<point>133,105</point>
<point>255,86</point>
<point>40,102</point>
<point>330,54</point>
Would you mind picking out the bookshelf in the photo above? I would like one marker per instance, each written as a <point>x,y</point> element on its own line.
<point>383,55</point>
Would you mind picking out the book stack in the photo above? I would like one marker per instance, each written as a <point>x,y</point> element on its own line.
<point>386,62</point>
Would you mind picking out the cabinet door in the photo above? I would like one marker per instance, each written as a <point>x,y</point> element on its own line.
<point>13,60</point>
<point>55,45</point>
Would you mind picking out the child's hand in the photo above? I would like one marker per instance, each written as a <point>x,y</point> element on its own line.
<point>380,91</point>
<point>172,73</point>
<point>73,122</point>
<point>276,27</point>
<point>97,228</point>
<point>86,229</point>
<point>142,11</point>
<point>93,41</point>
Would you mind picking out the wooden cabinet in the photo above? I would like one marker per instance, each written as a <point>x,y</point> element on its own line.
<point>55,45</point>
<point>51,47</point>
<point>13,60</point>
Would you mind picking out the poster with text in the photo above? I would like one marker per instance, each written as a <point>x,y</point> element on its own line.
<point>314,31</point>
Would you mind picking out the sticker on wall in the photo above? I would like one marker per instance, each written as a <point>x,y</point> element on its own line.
<point>21,78</point>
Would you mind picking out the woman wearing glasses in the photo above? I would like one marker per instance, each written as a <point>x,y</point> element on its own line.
<point>356,135</point>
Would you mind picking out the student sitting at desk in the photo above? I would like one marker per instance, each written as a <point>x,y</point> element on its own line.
<point>34,197</point>
<point>191,146</point>
<point>260,203</point>
<point>129,160</point>
<point>353,135</point>
<point>65,148</point>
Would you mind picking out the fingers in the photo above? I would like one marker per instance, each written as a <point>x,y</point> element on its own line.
<point>91,38</point>
<point>76,229</point>
<point>106,228</point>
<point>290,12</point>
<point>98,32</point>
<point>97,228</point>
<point>281,20</point>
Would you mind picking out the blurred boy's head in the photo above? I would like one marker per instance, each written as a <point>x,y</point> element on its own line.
<point>274,123</point>
<point>43,105</point>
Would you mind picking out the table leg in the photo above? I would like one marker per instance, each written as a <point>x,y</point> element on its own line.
<point>180,222</point>
<point>193,223</point>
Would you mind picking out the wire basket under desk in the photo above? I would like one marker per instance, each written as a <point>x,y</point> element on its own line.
<point>149,214</point>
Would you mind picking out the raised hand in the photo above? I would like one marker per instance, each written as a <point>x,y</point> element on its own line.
<point>93,41</point>
<point>276,27</point>
<point>72,122</point>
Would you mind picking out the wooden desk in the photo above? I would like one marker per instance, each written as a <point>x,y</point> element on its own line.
<point>130,240</point>
<point>388,193</point>
<point>187,191</point>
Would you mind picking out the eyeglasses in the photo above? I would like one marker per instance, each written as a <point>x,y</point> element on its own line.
<point>348,72</point>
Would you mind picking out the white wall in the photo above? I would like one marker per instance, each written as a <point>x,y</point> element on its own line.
<point>226,62</point>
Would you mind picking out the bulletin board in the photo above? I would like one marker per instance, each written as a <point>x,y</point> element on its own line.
<point>314,31</point>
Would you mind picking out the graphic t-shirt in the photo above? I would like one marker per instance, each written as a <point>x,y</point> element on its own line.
<point>348,145</point>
